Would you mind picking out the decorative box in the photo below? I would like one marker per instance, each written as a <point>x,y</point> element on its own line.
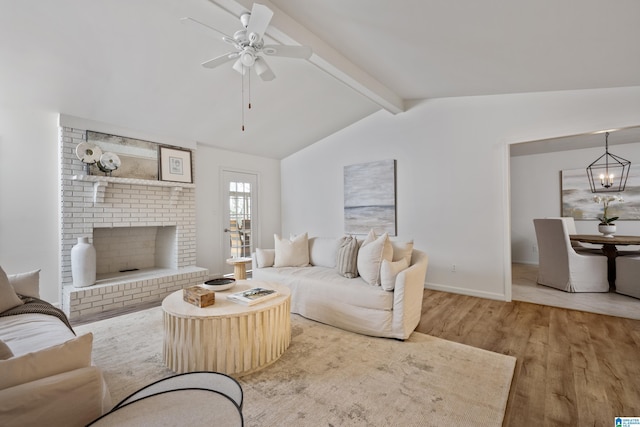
<point>199,296</point>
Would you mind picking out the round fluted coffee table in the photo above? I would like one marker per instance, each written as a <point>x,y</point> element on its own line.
<point>226,337</point>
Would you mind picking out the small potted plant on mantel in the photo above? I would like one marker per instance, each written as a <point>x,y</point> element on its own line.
<point>607,226</point>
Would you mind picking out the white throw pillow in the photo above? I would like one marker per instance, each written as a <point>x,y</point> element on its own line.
<point>265,257</point>
<point>8,297</point>
<point>389,271</point>
<point>323,251</point>
<point>402,250</point>
<point>373,250</point>
<point>73,354</point>
<point>27,284</point>
<point>291,253</point>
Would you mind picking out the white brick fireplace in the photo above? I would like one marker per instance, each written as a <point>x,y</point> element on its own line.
<point>143,232</point>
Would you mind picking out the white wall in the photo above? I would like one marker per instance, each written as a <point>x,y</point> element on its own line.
<point>209,216</point>
<point>535,193</point>
<point>29,188</point>
<point>452,174</point>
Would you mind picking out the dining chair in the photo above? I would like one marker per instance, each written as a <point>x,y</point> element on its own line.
<point>628,276</point>
<point>560,266</point>
<point>570,228</point>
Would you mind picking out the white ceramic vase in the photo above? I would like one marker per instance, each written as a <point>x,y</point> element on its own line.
<point>83,263</point>
<point>607,230</point>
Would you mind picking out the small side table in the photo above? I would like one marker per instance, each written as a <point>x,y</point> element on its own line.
<point>239,267</point>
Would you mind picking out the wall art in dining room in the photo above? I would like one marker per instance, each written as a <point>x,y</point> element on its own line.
<point>578,200</point>
<point>370,197</point>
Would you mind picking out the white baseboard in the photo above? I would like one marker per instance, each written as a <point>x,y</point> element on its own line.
<point>465,291</point>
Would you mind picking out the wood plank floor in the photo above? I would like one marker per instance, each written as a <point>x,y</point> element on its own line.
<point>573,368</point>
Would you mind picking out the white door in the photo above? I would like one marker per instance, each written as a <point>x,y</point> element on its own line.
<point>239,214</point>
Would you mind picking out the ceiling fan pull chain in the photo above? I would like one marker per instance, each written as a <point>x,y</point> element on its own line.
<point>249,87</point>
<point>242,100</point>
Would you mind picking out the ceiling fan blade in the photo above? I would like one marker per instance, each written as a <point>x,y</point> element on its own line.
<point>204,28</point>
<point>219,60</point>
<point>263,70</point>
<point>259,21</point>
<point>303,52</point>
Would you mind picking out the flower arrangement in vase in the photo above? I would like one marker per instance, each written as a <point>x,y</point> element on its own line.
<point>606,225</point>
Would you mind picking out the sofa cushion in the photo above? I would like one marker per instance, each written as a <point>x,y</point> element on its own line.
<point>8,297</point>
<point>5,351</point>
<point>347,257</point>
<point>265,257</point>
<point>291,252</point>
<point>323,286</point>
<point>370,255</point>
<point>323,251</point>
<point>73,354</point>
<point>402,250</point>
<point>388,272</point>
<point>27,284</point>
<point>26,333</point>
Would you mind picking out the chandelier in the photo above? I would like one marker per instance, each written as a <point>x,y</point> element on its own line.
<point>608,173</point>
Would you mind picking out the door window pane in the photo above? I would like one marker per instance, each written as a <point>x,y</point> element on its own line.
<point>240,218</point>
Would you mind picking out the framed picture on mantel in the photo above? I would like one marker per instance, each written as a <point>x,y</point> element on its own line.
<point>175,165</point>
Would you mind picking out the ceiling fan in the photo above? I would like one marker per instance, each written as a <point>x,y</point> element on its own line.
<point>249,44</point>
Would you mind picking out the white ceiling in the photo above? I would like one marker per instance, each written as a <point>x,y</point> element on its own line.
<point>131,63</point>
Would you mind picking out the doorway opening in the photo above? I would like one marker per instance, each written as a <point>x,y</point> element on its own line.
<point>240,214</point>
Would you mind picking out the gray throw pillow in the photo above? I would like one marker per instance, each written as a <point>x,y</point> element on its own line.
<point>347,260</point>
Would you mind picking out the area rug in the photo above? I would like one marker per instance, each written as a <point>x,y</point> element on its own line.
<point>330,377</point>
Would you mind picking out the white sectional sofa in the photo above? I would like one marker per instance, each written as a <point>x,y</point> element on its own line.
<point>46,374</point>
<point>387,307</point>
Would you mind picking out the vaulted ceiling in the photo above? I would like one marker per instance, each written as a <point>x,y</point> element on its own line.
<point>131,63</point>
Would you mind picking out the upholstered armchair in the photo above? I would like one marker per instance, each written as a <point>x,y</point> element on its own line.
<point>561,267</point>
<point>570,228</point>
<point>628,276</point>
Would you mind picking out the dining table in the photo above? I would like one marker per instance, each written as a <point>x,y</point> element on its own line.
<point>609,248</point>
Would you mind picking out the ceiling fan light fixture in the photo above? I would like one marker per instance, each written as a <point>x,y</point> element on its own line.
<point>247,58</point>
<point>239,67</point>
<point>249,48</point>
<point>263,70</point>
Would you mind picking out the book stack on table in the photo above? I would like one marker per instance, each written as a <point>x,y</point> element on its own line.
<point>252,296</point>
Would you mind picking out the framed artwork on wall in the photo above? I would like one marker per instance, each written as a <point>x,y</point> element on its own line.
<point>175,165</point>
<point>370,197</point>
<point>578,200</point>
<point>139,159</point>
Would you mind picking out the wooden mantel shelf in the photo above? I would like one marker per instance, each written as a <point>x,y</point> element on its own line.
<point>100,184</point>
